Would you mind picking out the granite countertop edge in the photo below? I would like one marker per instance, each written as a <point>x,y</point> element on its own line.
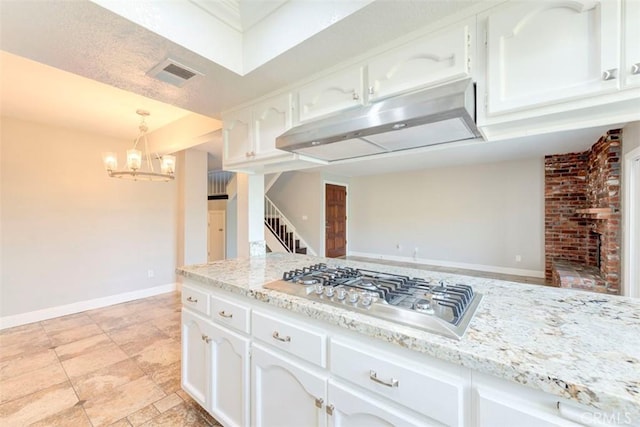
<point>616,402</point>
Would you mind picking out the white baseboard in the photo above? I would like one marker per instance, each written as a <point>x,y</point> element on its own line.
<point>461,265</point>
<point>80,306</point>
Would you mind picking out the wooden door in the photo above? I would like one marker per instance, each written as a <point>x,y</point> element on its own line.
<point>216,235</point>
<point>336,221</point>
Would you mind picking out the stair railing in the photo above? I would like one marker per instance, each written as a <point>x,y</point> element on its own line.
<point>217,182</point>
<point>272,216</point>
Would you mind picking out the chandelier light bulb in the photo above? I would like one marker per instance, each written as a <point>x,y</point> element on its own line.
<point>110,160</point>
<point>134,159</point>
<point>168,164</point>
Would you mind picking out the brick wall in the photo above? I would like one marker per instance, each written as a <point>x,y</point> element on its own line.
<point>584,180</point>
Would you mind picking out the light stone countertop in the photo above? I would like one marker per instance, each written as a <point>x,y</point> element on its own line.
<point>579,345</point>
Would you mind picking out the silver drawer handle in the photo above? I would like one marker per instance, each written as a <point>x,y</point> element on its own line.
<point>277,336</point>
<point>223,314</point>
<point>191,299</point>
<point>373,376</point>
<point>635,68</point>
<point>355,96</point>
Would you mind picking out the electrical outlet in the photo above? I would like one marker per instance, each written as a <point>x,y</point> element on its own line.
<point>518,258</point>
<point>150,274</point>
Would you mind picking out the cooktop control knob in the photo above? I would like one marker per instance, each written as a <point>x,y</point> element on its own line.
<point>353,296</point>
<point>329,291</point>
<point>319,288</point>
<point>341,293</point>
<point>366,299</point>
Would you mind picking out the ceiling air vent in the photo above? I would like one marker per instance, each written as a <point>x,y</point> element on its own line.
<point>172,72</point>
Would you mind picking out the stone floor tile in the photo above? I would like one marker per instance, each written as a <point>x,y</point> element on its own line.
<point>122,401</point>
<point>160,354</point>
<point>168,402</point>
<point>167,377</point>
<point>26,362</point>
<point>170,325</point>
<point>105,380</point>
<point>64,323</point>
<point>72,417</point>
<point>121,423</point>
<point>17,341</point>
<point>82,346</point>
<point>143,415</point>
<point>31,382</point>
<point>70,335</point>
<point>182,415</point>
<point>135,338</point>
<point>93,360</point>
<point>38,406</point>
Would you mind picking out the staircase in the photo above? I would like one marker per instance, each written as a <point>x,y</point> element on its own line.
<point>282,229</point>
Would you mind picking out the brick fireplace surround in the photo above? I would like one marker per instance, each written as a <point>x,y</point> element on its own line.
<point>582,217</point>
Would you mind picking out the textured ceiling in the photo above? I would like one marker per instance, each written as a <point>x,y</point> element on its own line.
<point>113,55</point>
<point>85,39</point>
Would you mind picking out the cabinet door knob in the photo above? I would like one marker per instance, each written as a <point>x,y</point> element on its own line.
<point>277,336</point>
<point>611,74</point>
<point>329,409</point>
<point>372,90</point>
<point>190,299</point>
<point>355,96</point>
<point>373,376</point>
<point>223,314</point>
<point>206,339</point>
<point>635,68</point>
<point>319,402</point>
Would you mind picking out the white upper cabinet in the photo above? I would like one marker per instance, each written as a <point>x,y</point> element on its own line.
<point>434,58</point>
<point>237,137</point>
<point>250,133</point>
<point>631,61</point>
<point>331,94</point>
<point>271,119</point>
<point>541,53</point>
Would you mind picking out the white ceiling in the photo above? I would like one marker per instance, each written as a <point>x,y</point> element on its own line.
<point>77,64</point>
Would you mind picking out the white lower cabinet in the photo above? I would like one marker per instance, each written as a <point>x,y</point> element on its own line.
<point>284,392</point>
<point>195,350</point>
<point>215,369</point>
<point>350,408</point>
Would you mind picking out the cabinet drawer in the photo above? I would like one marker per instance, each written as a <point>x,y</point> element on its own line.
<point>195,299</point>
<point>435,394</point>
<point>229,313</point>
<point>303,342</point>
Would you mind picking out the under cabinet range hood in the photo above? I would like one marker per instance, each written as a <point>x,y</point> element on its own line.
<point>433,116</point>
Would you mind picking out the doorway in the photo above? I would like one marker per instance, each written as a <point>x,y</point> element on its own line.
<point>216,239</point>
<point>335,221</point>
<point>632,234</point>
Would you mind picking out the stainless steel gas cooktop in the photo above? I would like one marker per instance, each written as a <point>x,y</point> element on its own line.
<point>443,308</point>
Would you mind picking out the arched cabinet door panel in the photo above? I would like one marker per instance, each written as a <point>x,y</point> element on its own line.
<point>540,53</point>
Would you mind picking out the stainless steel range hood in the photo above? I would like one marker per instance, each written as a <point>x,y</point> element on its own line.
<point>433,116</point>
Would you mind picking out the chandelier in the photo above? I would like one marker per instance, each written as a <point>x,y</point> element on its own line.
<point>134,170</point>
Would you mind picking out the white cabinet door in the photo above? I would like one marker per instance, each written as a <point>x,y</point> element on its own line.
<point>631,62</point>
<point>331,94</point>
<point>285,393</point>
<point>237,137</point>
<point>540,53</point>
<point>195,363</point>
<point>229,392</point>
<point>349,408</point>
<point>435,58</point>
<point>271,119</point>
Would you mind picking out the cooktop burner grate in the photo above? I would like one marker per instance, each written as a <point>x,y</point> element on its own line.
<point>444,308</point>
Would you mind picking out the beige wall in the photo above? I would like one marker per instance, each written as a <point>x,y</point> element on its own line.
<point>481,215</point>
<point>69,232</point>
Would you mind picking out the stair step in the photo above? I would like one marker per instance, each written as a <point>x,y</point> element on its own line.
<point>302,251</point>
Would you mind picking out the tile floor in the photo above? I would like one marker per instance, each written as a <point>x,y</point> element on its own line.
<point>113,366</point>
